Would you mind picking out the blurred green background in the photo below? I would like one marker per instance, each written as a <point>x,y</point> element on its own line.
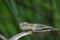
<point>13,12</point>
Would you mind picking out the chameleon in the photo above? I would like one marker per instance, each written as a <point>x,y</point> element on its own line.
<point>32,28</point>
<point>36,27</point>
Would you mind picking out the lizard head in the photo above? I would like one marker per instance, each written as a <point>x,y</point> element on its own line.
<point>24,26</point>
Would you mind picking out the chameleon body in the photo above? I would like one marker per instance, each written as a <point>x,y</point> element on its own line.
<point>35,27</point>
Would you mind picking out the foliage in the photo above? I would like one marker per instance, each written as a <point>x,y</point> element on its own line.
<point>13,12</point>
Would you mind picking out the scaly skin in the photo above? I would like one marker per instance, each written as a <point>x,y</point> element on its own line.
<point>35,27</point>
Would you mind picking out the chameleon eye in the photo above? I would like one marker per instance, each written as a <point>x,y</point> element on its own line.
<point>25,24</point>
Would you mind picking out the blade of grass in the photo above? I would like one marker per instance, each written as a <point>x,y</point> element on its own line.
<point>56,7</point>
<point>3,30</point>
<point>13,8</point>
<point>8,24</point>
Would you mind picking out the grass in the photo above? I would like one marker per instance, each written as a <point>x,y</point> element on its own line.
<point>12,12</point>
